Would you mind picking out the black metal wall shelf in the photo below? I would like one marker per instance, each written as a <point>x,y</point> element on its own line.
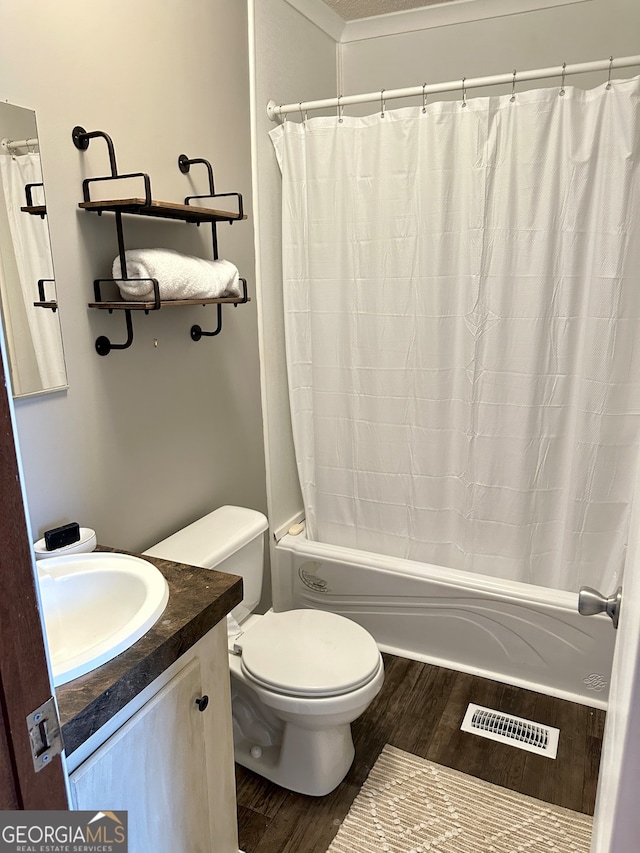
<point>147,206</point>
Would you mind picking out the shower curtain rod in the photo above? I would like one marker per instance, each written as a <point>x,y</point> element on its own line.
<point>274,110</point>
<point>13,145</point>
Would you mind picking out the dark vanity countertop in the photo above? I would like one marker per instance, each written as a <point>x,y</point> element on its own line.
<point>198,600</point>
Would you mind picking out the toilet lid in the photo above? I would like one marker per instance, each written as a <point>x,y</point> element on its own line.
<point>309,653</point>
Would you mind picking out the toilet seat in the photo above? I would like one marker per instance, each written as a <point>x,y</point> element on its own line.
<point>309,654</point>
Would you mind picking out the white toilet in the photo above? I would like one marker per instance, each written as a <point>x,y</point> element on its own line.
<point>298,678</point>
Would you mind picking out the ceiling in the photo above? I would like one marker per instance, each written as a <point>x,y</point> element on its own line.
<point>352,10</point>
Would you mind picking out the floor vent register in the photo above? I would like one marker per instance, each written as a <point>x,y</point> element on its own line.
<point>515,731</point>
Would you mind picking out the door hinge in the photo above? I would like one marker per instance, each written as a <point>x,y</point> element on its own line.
<point>44,734</point>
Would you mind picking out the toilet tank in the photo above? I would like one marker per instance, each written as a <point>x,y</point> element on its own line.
<point>230,539</point>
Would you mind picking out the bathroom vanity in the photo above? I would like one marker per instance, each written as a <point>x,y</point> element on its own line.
<point>150,731</point>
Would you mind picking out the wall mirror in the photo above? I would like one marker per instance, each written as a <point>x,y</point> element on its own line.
<point>27,282</point>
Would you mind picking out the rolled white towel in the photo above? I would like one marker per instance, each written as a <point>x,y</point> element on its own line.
<point>178,276</point>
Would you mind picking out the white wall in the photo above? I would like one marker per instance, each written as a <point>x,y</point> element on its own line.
<point>146,439</point>
<point>577,33</point>
<point>292,58</point>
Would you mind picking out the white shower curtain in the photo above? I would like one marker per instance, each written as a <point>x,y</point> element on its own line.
<point>462,297</point>
<point>32,250</point>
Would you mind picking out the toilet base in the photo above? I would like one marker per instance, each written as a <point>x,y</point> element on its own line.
<point>308,761</point>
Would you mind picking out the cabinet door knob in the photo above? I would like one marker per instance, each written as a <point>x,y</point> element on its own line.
<point>202,702</point>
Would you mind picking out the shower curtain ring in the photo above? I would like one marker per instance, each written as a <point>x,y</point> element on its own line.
<point>609,77</point>
<point>424,98</point>
<point>564,74</point>
<point>464,93</point>
<point>339,110</point>
<point>303,116</point>
<point>382,103</point>
<point>513,87</point>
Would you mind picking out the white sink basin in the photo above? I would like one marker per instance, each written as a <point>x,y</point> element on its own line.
<point>95,606</point>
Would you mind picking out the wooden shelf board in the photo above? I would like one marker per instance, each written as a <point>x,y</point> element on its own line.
<point>35,210</point>
<point>121,305</point>
<point>161,209</point>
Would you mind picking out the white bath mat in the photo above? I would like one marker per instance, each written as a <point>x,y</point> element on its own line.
<point>410,805</point>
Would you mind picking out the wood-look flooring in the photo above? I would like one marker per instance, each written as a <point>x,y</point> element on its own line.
<point>420,709</point>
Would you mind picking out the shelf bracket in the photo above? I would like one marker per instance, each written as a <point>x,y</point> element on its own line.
<point>104,345</point>
<point>184,164</point>
<point>52,304</point>
<point>28,192</point>
<point>81,139</point>
<point>197,332</point>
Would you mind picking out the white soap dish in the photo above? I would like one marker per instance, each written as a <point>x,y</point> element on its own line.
<point>86,543</point>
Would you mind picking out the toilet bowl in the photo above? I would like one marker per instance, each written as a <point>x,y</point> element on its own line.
<point>299,678</point>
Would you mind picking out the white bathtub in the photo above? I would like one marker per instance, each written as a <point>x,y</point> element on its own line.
<point>511,632</point>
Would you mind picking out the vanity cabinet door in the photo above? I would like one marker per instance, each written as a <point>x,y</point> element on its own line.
<point>155,767</point>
